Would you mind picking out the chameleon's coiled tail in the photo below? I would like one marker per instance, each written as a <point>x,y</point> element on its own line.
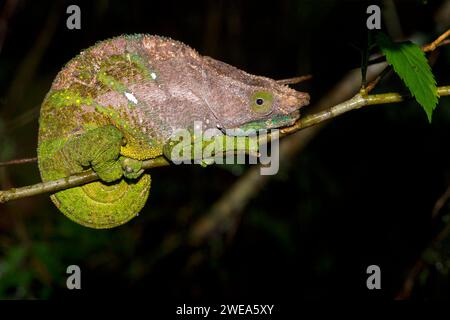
<point>98,204</point>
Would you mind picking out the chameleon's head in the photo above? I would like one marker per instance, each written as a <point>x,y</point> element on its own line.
<point>244,101</point>
<point>268,105</point>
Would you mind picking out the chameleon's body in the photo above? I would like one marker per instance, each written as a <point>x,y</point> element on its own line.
<point>120,101</point>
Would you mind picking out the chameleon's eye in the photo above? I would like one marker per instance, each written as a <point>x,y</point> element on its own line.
<point>262,102</point>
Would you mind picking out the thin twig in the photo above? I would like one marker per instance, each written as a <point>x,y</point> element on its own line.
<point>440,41</point>
<point>295,79</point>
<point>440,203</point>
<point>436,43</point>
<point>358,101</point>
<point>420,264</point>
<point>375,81</point>
<point>410,280</point>
<point>18,161</point>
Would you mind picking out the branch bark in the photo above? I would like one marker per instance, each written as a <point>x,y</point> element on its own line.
<point>18,161</point>
<point>65,183</point>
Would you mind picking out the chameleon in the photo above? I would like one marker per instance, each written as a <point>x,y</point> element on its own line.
<point>120,101</point>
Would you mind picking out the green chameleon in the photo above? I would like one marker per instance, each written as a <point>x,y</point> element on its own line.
<point>119,102</point>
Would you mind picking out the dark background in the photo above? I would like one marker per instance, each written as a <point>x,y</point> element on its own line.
<point>360,193</point>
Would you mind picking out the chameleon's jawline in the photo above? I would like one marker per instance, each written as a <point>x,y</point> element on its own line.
<point>275,122</point>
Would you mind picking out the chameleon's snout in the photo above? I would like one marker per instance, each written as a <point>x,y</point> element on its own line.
<point>294,101</point>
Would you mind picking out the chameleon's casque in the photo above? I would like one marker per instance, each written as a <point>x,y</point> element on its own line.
<point>119,102</point>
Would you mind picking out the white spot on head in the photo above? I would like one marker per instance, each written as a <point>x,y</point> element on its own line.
<point>153,75</point>
<point>131,97</point>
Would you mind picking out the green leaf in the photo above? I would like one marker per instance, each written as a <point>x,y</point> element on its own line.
<point>410,63</point>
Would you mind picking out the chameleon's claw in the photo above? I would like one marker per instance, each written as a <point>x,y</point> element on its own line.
<point>132,169</point>
<point>128,169</point>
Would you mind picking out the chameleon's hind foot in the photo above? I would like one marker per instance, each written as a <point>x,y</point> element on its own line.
<point>109,171</point>
<point>132,169</point>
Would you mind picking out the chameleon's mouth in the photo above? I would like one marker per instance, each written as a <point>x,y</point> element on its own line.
<point>274,122</point>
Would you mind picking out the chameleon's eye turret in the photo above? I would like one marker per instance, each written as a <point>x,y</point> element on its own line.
<point>262,102</point>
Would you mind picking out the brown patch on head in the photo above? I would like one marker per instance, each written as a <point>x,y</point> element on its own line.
<point>238,98</point>
<point>162,48</point>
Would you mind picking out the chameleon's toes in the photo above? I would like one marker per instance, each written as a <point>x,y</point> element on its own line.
<point>133,174</point>
<point>132,169</point>
<point>109,172</point>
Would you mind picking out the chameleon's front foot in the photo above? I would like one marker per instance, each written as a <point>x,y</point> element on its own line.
<point>132,169</point>
<point>111,171</point>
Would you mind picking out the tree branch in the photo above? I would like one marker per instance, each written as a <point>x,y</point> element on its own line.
<point>441,40</point>
<point>65,183</point>
<point>358,101</point>
<point>18,161</point>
